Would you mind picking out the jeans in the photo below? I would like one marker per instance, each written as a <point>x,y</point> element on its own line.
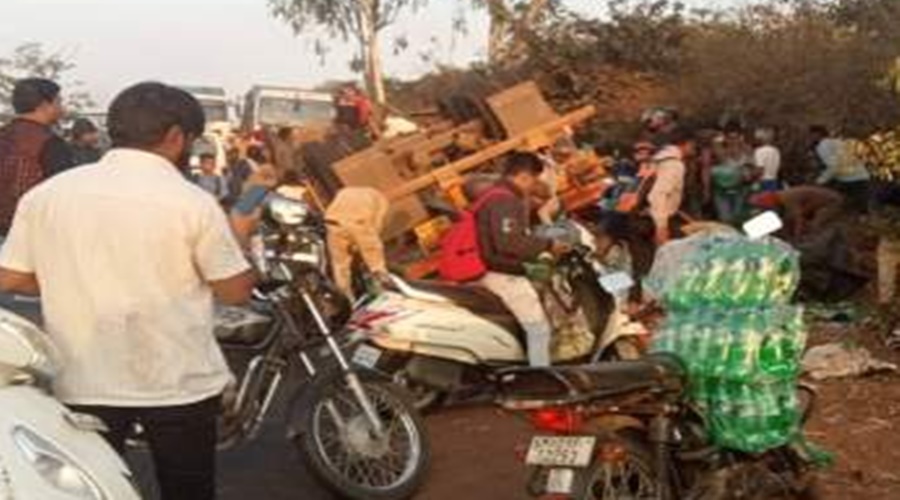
<point>856,194</point>
<point>522,299</point>
<point>730,206</point>
<point>182,442</point>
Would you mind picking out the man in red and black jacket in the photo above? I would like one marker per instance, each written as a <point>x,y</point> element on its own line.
<point>507,243</point>
<point>29,150</point>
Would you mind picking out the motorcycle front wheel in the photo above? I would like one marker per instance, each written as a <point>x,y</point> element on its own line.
<point>342,449</point>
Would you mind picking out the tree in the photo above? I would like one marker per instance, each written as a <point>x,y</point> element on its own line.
<point>788,67</point>
<point>30,60</point>
<point>359,20</point>
<point>511,22</point>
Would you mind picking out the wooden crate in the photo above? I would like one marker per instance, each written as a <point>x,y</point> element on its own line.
<point>521,109</point>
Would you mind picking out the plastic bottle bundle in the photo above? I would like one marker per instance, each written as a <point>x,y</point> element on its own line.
<point>724,270</point>
<point>730,322</point>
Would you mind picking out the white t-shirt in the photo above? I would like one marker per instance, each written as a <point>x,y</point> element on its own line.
<point>768,158</point>
<point>666,195</point>
<point>123,250</point>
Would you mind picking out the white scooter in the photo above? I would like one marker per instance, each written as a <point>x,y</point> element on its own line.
<point>440,338</point>
<point>46,451</point>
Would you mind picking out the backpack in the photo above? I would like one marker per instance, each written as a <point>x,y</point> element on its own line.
<point>460,258</point>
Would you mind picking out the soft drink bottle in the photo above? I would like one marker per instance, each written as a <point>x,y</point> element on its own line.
<point>773,360</point>
<point>743,346</point>
<point>700,344</point>
<point>712,291</point>
<point>766,280</point>
<point>717,341</point>
<point>794,340</point>
<point>771,431</point>
<point>746,424</point>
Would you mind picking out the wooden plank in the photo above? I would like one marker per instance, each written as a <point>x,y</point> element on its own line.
<point>526,139</point>
<point>430,142</point>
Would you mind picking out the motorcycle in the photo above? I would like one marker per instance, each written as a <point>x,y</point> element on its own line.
<point>48,452</point>
<point>355,429</point>
<point>441,339</point>
<point>626,430</point>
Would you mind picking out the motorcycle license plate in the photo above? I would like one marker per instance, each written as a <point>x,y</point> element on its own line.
<point>560,482</point>
<point>366,356</point>
<point>561,451</point>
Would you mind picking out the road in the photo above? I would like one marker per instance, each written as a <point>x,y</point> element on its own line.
<point>473,456</point>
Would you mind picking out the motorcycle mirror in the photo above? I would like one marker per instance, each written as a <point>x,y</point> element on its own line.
<point>763,225</point>
<point>616,282</point>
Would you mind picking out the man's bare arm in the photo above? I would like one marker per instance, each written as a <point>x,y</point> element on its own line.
<point>244,227</point>
<point>18,282</point>
<point>236,290</point>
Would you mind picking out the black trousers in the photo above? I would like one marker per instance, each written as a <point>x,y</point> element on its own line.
<point>182,443</point>
<point>857,194</point>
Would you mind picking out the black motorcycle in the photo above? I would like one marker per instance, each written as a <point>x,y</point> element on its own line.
<point>356,431</point>
<point>626,430</point>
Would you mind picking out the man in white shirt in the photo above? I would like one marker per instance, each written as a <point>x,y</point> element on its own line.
<point>128,256</point>
<point>767,158</point>
<point>844,171</point>
<point>667,193</point>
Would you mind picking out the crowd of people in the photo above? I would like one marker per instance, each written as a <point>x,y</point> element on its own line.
<point>129,300</point>
<point>729,175</point>
<point>721,171</point>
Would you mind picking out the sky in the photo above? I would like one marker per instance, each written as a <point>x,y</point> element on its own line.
<point>226,43</point>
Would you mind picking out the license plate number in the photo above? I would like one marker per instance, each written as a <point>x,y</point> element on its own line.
<point>561,451</point>
<point>366,356</point>
<point>560,481</point>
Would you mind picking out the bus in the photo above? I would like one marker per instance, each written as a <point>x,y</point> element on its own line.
<point>217,109</point>
<point>216,106</point>
<point>275,107</point>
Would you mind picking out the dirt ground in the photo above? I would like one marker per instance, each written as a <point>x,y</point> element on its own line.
<point>855,419</point>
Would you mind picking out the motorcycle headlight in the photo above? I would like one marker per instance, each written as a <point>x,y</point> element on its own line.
<point>24,346</point>
<point>287,211</point>
<point>54,466</point>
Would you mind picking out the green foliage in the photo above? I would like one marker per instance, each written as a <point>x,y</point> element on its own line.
<point>30,60</point>
<point>787,66</point>
<point>345,19</point>
<point>784,63</point>
<point>643,35</point>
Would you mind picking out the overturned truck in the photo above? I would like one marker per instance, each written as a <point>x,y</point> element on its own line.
<point>424,170</point>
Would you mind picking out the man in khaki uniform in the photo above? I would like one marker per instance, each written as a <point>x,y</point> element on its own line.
<point>355,219</point>
<point>808,210</point>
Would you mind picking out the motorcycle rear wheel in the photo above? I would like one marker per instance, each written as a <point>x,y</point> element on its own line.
<point>350,459</point>
<point>626,475</point>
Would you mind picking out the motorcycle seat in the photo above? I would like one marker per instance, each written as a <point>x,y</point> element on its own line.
<point>478,300</point>
<point>524,386</point>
